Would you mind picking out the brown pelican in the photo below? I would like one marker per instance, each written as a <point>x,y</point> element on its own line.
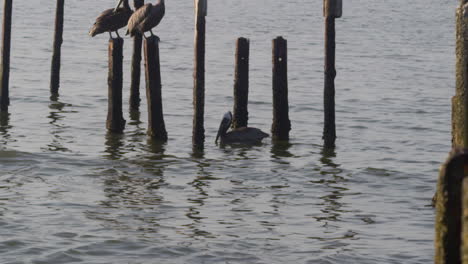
<point>146,18</point>
<point>247,135</point>
<point>112,19</point>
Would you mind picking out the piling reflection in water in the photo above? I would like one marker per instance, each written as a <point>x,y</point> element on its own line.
<point>4,128</point>
<point>55,116</point>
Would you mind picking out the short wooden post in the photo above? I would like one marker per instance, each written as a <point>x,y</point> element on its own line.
<point>156,126</point>
<point>55,68</point>
<point>115,121</point>
<point>5,67</point>
<point>332,9</point>
<point>449,208</point>
<point>136,66</point>
<point>281,123</point>
<point>460,100</point>
<point>241,84</point>
<point>198,133</point>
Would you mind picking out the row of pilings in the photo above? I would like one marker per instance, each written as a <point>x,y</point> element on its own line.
<point>156,128</point>
<point>451,198</point>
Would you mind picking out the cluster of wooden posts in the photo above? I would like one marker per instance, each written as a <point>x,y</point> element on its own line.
<point>451,199</point>
<point>156,128</point>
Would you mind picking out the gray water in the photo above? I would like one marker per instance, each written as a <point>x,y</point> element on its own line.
<point>71,193</point>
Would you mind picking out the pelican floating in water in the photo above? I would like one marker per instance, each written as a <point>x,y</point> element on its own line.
<point>112,19</point>
<point>146,18</point>
<point>247,135</point>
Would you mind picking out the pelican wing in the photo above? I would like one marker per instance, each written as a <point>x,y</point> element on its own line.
<point>137,19</point>
<point>110,20</point>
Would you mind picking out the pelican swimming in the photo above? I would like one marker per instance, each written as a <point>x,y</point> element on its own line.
<point>146,18</point>
<point>112,19</point>
<point>247,135</point>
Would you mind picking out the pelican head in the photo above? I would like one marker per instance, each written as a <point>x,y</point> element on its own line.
<point>224,126</point>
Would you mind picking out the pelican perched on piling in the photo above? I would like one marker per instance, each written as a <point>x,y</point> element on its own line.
<point>246,135</point>
<point>112,19</point>
<point>146,18</point>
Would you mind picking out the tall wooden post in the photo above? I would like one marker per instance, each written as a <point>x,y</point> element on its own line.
<point>241,84</point>
<point>460,100</point>
<point>136,65</point>
<point>156,126</point>
<point>115,121</point>
<point>198,133</point>
<point>5,67</point>
<point>55,68</point>
<point>281,123</point>
<point>332,9</point>
<point>449,208</point>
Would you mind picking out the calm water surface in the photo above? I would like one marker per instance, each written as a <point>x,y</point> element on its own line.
<point>71,193</point>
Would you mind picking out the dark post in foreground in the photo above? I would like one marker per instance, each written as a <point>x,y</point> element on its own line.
<point>460,100</point>
<point>115,122</point>
<point>331,9</point>
<point>55,68</point>
<point>281,123</point>
<point>449,208</point>
<point>198,133</point>
<point>136,66</point>
<point>156,127</point>
<point>6,44</point>
<point>241,84</point>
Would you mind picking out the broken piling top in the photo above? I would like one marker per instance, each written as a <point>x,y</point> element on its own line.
<point>201,8</point>
<point>333,8</point>
<point>449,208</point>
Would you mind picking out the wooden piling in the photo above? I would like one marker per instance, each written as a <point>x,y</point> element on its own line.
<point>156,126</point>
<point>58,39</point>
<point>241,84</point>
<point>198,133</point>
<point>281,123</point>
<point>136,66</point>
<point>460,100</point>
<point>115,121</point>
<point>6,46</point>
<point>449,208</point>
<point>332,10</point>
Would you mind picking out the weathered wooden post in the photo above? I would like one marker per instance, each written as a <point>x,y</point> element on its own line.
<point>156,126</point>
<point>460,100</point>
<point>241,84</point>
<point>136,65</point>
<point>55,67</point>
<point>449,208</point>
<point>331,9</point>
<point>281,123</point>
<point>6,45</point>
<point>115,121</point>
<point>198,133</point>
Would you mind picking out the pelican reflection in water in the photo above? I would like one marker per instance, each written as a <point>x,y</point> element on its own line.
<point>246,135</point>
<point>112,19</point>
<point>146,18</point>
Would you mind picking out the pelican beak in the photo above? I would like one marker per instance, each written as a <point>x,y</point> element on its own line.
<point>118,5</point>
<point>224,126</point>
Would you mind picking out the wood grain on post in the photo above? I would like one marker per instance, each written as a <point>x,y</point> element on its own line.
<point>460,100</point>
<point>449,208</point>
<point>58,39</point>
<point>329,130</point>
<point>156,126</point>
<point>136,65</point>
<point>198,133</point>
<point>5,67</point>
<point>241,84</point>
<point>281,123</point>
<point>115,121</point>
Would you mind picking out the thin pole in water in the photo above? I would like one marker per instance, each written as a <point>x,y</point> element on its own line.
<point>58,39</point>
<point>136,65</point>
<point>198,133</point>
<point>6,45</point>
